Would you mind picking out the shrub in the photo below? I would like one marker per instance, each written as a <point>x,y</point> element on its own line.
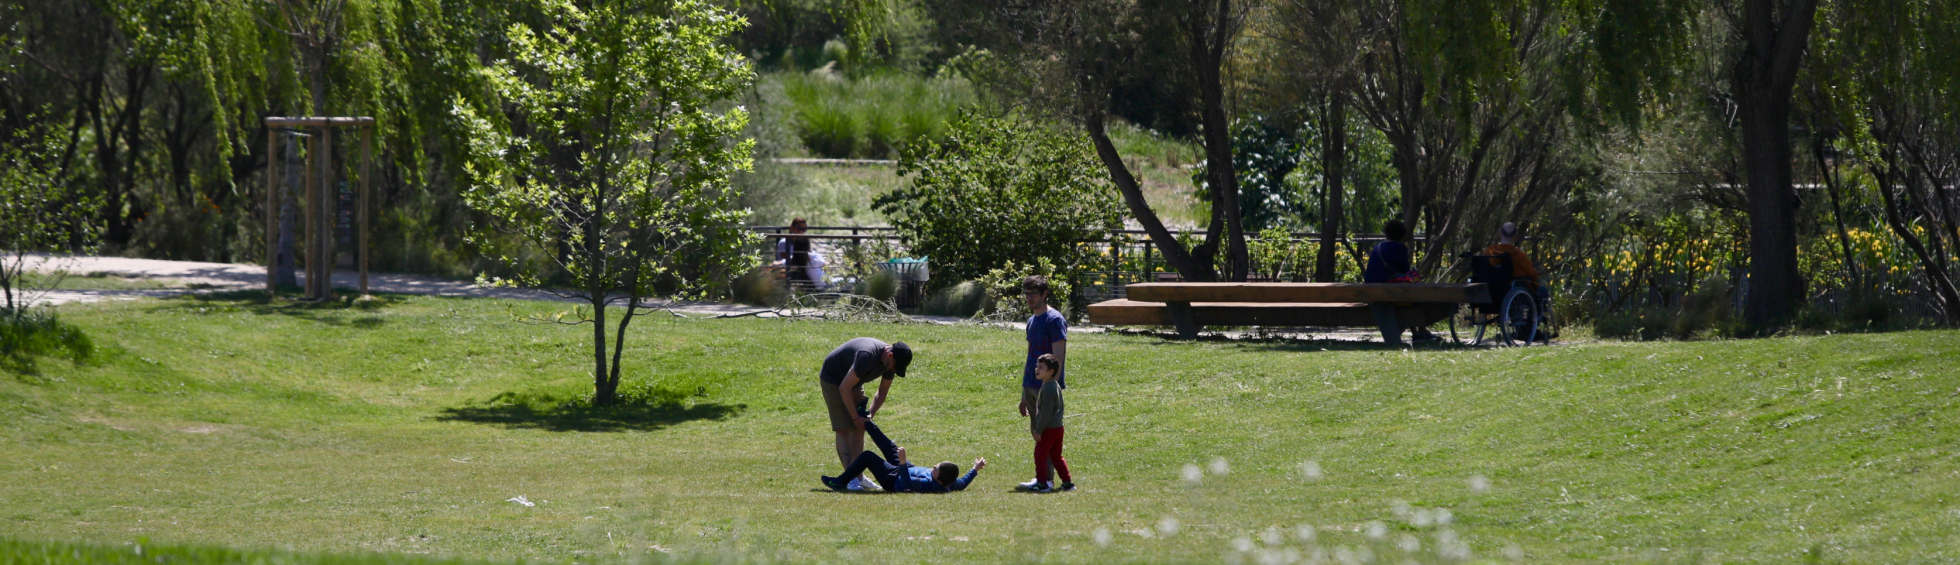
<point>999,191</point>
<point>964,300</point>
<point>880,285</point>
<point>1003,286</point>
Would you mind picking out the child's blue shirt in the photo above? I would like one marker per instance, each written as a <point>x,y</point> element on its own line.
<point>919,479</point>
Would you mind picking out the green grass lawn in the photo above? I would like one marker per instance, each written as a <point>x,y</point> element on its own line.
<point>405,426</point>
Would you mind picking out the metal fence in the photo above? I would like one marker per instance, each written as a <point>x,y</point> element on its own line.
<point>1125,257</point>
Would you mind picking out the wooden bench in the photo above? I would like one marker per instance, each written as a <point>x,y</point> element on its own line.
<point>1188,306</point>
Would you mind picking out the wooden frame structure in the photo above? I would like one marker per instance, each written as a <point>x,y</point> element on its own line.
<point>319,241</point>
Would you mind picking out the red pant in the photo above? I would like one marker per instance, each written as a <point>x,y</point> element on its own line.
<point>1047,452</point>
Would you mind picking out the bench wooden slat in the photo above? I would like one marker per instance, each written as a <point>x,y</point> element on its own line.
<point>1308,292</point>
<point>1122,312</point>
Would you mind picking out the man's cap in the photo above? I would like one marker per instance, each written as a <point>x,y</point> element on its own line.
<point>901,356</point>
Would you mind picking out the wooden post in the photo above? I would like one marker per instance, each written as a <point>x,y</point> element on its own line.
<point>1183,319</point>
<point>367,166</point>
<point>271,211</point>
<point>329,200</point>
<point>312,201</point>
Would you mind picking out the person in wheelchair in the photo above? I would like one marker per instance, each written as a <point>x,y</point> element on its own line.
<point>1521,267</point>
<point>1389,262</point>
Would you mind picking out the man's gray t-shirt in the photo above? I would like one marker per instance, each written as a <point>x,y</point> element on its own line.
<point>865,355</point>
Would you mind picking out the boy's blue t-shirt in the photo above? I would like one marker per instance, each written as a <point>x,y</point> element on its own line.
<point>1044,330</point>
<point>919,479</point>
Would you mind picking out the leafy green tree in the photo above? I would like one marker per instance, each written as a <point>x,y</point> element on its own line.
<point>1080,59</point>
<point>612,157</point>
<point>39,212</point>
<point>1000,191</point>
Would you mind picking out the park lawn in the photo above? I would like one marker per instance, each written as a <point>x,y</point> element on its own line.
<point>405,426</point>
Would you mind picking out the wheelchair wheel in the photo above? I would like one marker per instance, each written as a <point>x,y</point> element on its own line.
<point>1517,321</point>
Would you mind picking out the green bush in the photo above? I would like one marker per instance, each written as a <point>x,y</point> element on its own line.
<point>881,285</point>
<point>1706,312</point>
<point>964,300</point>
<point>1000,191</point>
<point>1003,286</point>
<point>760,287</point>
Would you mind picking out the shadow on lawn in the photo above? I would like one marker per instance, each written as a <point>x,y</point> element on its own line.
<point>638,411</point>
<point>344,309</point>
<point>1282,342</point>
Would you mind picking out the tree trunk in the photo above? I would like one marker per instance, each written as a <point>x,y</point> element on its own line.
<point>1763,81</point>
<point>1333,166</point>
<point>1829,174</point>
<point>1208,56</point>
<point>1119,174</point>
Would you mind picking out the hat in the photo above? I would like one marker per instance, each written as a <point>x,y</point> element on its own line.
<point>901,356</point>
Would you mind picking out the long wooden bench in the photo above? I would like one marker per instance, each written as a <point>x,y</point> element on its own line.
<point>1189,306</point>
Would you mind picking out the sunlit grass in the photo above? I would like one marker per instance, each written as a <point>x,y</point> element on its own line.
<point>408,425</point>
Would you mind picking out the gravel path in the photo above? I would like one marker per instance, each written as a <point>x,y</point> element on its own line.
<point>186,277</point>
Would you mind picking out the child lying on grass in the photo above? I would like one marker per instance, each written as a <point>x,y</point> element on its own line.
<point>898,474</point>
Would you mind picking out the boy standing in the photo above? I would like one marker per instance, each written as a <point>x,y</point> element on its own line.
<point>1047,335</point>
<point>1047,428</point>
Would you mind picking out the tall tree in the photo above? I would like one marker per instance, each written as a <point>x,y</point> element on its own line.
<point>615,144</point>
<point>1075,58</point>
<point>1775,35</point>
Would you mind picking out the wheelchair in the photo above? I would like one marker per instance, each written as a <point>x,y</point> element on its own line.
<point>1514,315</point>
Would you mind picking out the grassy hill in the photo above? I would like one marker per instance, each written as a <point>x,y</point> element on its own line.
<point>407,426</point>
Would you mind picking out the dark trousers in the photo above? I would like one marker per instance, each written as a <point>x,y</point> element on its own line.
<point>1048,456</point>
<point>885,472</point>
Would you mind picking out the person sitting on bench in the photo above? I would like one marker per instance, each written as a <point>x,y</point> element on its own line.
<point>1389,262</point>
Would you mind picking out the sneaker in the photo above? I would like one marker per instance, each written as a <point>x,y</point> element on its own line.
<point>1041,487</point>
<point>862,485</point>
<point>1028,485</point>
<point>833,483</point>
<point>1066,485</point>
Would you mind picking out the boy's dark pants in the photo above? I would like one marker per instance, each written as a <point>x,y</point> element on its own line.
<point>882,471</point>
<point>878,438</point>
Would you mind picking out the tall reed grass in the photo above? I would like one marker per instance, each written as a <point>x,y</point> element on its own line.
<point>869,117</point>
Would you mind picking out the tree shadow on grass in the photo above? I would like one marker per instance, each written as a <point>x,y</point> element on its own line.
<point>344,309</point>
<point>637,411</point>
<point>1289,339</point>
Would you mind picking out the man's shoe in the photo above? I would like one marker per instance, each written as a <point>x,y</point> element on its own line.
<point>833,482</point>
<point>1028,485</point>
<point>1041,488</point>
<point>1068,485</point>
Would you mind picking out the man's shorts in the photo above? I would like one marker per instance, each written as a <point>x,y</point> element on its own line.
<point>1028,398</point>
<point>842,418</point>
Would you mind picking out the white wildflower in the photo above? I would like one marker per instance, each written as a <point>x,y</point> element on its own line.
<point>1167,526</point>
<point>1310,470</point>
<point>1219,467</point>
<point>1193,475</point>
